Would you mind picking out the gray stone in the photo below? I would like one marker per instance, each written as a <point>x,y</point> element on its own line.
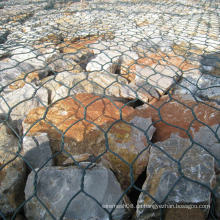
<point>12,176</point>
<point>204,86</point>
<point>163,173</point>
<point>3,35</point>
<point>36,150</point>
<point>22,100</point>
<point>8,72</point>
<point>209,139</point>
<point>56,186</point>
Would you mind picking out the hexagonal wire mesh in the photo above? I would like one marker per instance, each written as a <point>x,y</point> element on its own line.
<point>109,109</point>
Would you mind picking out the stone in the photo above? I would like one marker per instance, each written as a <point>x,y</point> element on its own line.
<point>12,173</point>
<point>85,133</point>
<point>36,151</point>
<point>159,77</point>
<point>22,100</point>
<point>78,159</point>
<point>165,183</point>
<point>28,55</point>
<point>107,61</point>
<point>3,35</point>
<point>211,64</point>
<point>67,83</point>
<point>141,90</point>
<point>128,144</point>
<point>59,63</point>
<point>23,78</point>
<point>161,71</point>
<point>174,115</point>
<point>208,139</point>
<point>8,72</point>
<point>57,186</point>
<point>204,86</point>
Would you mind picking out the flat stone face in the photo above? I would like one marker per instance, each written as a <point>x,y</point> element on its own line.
<point>162,175</point>
<point>107,61</point>
<point>36,150</point>
<point>56,186</point>
<point>22,100</point>
<point>175,115</point>
<point>98,83</point>
<point>12,176</point>
<point>208,138</point>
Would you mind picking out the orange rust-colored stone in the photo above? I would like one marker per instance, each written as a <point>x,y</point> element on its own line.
<point>129,68</point>
<point>71,117</point>
<point>23,79</point>
<point>179,112</point>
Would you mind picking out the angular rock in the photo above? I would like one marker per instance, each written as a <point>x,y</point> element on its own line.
<point>211,64</point>
<point>141,90</point>
<point>22,100</point>
<point>57,186</point>
<point>209,139</point>
<point>159,77</point>
<point>28,55</point>
<point>3,35</point>
<point>83,136</point>
<point>8,72</point>
<point>164,177</point>
<point>36,150</point>
<point>12,175</point>
<point>106,61</point>
<point>59,63</point>
<point>126,142</point>
<point>175,114</point>
<point>204,86</point>
<point>93,82</point>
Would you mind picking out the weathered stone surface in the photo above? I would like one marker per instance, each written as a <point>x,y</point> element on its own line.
<point>66,83</point>
<point>163,173</point>
<point>23,78</point>
<point>159,77</point>
<point>59,63</point>
<point>209,139</point>
<point>81,136</point>
<point>22,100</point>
<point>56,186</point>
<point>36,150</point>
<point>204,86</point>
<point>3,35</point>
<point>141,90</point>
<point>28,55</point>
<point>211,64</point>
<point>9,71</point>
<point>12,176</point>
<point>127,142</point>
<point>174,115</point>
<point>107,60</point>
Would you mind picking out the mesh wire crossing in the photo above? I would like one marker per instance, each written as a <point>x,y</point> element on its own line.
<point>119,98</point>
